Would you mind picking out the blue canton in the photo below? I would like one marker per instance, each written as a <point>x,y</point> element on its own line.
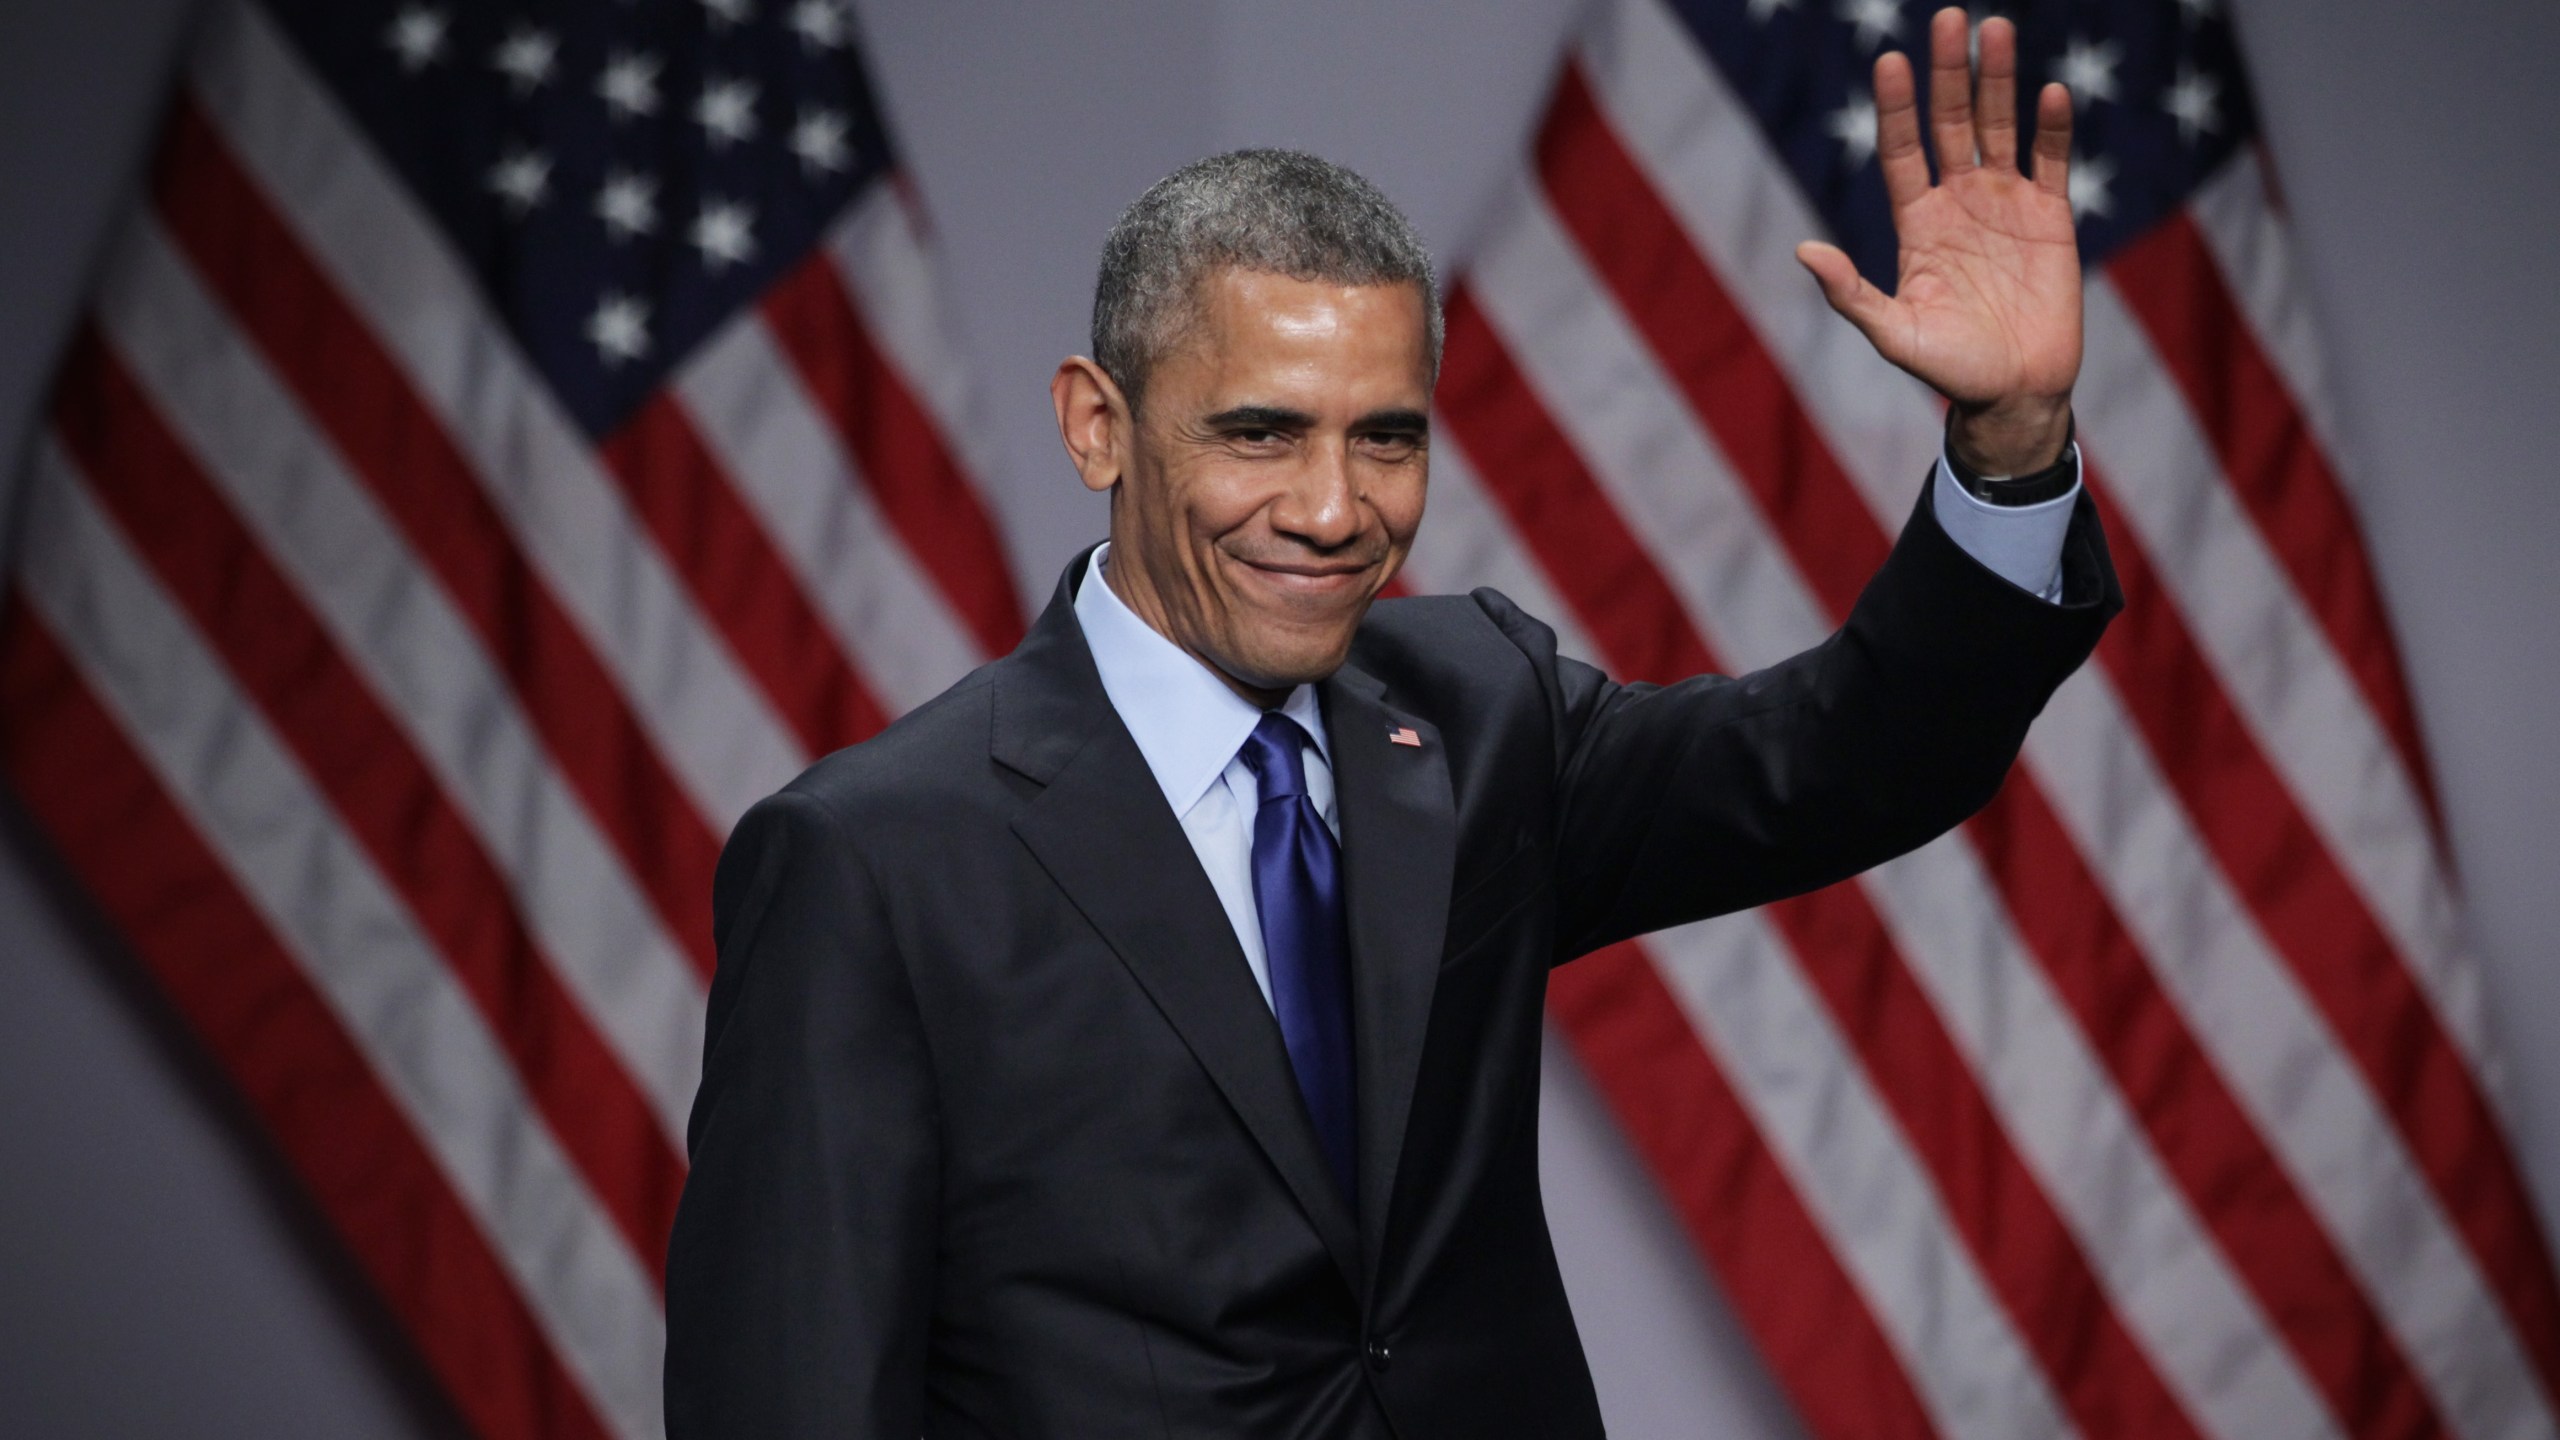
<point>621,175</point>
<point>2159,101</point>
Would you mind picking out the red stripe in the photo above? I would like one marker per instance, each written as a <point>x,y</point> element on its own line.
<point>385,795</point>
<point>896,446</point>
<point>2061,1313</point>
<point>1683,1116</point>
<point>2319,925</point>
<point>2169,281</point>
<point>2265,1227</point>
<point>187,921</point>
<point>737,577</point>
<point>357,393</point>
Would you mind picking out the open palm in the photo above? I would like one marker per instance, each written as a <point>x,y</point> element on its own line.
<point>1987,306</point>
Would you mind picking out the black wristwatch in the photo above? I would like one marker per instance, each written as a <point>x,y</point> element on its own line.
<point>2050,483</point>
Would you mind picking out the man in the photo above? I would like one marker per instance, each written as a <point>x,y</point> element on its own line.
<point>1142,1038</point>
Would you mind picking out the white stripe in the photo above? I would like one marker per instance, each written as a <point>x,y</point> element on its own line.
<point>1736,203</point>
<point>2304,1098</point>
<point>788,466</point>
<point>357,943</point>
<point>2055,1098</point>
<point>2254,249</point>
<point>717,731</point>
<point>879,250</point>
<point>1878,1211</point>
<point>2274,661</point>
<point>395,627</point>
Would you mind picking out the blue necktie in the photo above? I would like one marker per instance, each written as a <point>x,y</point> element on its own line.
<point>1297,887</point>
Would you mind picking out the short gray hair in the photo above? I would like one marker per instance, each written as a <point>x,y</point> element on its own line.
<point>1278,212</point>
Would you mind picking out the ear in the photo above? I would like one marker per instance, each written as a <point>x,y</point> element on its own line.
<point>1093,420</point>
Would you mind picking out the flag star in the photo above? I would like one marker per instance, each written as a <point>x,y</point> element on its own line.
<point>1875,21</point>
<point>726,112</point>
<point>418,35</point>
<point>2089,71</point>
<point>2196,101</point>
<point>725,234</point>
<point>2089,181</point>
<point>1854,126</point>
<point>725,13</point>
<point>819,140</point>
<point>628,205</point>
<point>629,84</point>
<point>827,24</point>
<point>521,180</point>
<point>1761,10</point>
<point>619,328</point>
<point>527,57</point>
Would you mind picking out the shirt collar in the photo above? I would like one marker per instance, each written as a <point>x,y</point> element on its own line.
<point>1186,721</point>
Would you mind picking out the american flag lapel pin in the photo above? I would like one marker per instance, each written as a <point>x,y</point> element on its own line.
<point>1404,735</point>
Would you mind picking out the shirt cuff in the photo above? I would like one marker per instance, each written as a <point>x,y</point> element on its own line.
<point>2021,544</point>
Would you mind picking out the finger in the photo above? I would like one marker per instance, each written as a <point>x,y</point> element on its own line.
<point>1950,92</point>
<point>1995,101</point>
<point>1906,170</point>
<point>2053,141</point>
<point>1858,302</point>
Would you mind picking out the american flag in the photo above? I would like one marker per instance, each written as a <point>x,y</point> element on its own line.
<point>2158,1100</point>
<point>508,440</point>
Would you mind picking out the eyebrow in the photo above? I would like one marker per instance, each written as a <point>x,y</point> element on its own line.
<point>1280,417</point>
<point>1408,422</point>
<point>1260,417</point>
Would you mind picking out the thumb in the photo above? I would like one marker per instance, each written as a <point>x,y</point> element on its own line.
<point>1858,302</point>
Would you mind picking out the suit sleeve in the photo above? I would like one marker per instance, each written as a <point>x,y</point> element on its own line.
<point>799,1278</point>
<point>1714,794</point>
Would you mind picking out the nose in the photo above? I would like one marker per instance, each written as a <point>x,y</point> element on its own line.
<point>1321,507</point>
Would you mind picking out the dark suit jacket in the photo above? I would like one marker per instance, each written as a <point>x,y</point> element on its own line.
<point>997,1137</point>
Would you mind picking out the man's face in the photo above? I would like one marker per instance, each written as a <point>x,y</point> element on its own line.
<point>1275,475</point>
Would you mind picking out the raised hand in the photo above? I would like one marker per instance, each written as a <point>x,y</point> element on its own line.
<point>1987,309</point>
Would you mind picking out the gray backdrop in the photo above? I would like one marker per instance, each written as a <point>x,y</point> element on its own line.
<point>157,1276</point>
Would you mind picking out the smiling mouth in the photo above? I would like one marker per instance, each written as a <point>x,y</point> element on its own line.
<point>1313,580</point>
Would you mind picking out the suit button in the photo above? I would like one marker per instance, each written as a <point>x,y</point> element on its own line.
<point>1380,1357</point>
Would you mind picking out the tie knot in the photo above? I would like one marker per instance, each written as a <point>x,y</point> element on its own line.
<point>1271,753</point>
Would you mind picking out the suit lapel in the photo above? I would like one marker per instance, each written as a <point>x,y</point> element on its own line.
<point>1103,832</point>
<point>1399,843</point>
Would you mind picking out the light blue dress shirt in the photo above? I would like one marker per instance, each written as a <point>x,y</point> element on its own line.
<point>2021,544</point>
<point>1189,726</point>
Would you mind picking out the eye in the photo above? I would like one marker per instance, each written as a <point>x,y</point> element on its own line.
<point>1257,440</point>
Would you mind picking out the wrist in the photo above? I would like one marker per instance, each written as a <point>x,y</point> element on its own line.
<point>2010,437</point>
